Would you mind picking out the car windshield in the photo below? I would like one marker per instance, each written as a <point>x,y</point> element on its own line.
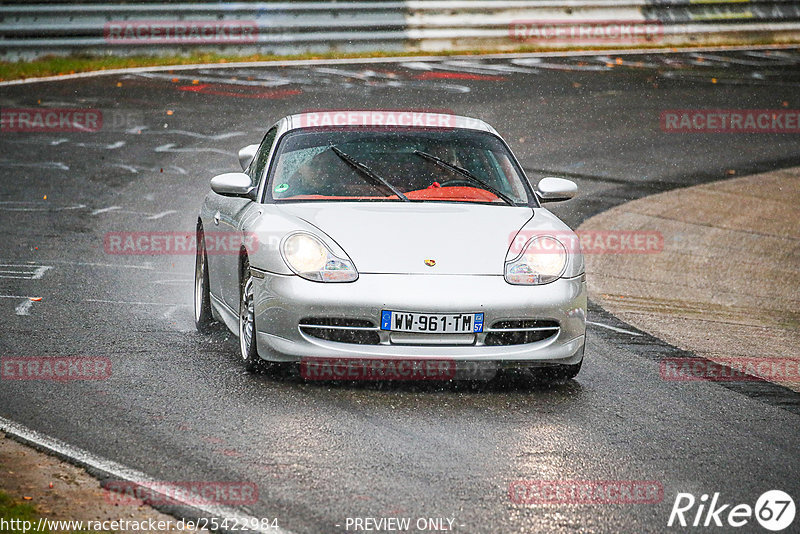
<point>453,165</point>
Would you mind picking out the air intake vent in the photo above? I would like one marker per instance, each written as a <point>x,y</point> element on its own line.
<point>341,330</point>
<point>519,332</point>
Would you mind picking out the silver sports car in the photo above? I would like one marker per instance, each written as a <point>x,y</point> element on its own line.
<point>369,235</point>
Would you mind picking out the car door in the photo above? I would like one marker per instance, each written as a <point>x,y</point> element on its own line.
<point>234,213</point>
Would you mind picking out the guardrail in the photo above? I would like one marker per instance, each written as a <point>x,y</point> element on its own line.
<point>243,28</point>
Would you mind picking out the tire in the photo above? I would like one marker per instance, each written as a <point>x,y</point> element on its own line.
<point>247,324</point>
<point>203,318</point>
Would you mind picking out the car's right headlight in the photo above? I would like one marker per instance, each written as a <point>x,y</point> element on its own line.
<point>308,257</point>
<point>542,260</point>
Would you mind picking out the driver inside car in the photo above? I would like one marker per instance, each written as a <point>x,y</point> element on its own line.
<point>323,175</point>
<point>448,154</point>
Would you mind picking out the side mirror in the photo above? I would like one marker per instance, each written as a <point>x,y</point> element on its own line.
<point>556,189</point>
<point>246,155</point>
<point>232,184</point>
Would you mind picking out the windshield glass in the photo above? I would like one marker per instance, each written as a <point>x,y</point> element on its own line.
<point>453,165</point>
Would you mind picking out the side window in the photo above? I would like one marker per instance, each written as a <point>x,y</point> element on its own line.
<point>257,166</point>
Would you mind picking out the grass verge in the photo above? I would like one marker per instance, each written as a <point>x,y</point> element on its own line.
<point>10,509</point>
<point>22,517</point>
<point>56,65</point>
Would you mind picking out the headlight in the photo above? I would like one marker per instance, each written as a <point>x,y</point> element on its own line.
<point>309,258</point>
<point>542,260</point>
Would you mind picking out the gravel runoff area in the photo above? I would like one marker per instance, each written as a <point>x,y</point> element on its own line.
<point>726,285</point>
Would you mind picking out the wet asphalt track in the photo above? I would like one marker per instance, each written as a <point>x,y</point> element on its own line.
<point>179,407</point>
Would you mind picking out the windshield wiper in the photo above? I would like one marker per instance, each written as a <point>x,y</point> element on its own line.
<point>464,172</point>
<point>368,172</point>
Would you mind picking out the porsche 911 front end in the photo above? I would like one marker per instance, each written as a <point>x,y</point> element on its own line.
<point>404,242</point>
<point>383,316</point>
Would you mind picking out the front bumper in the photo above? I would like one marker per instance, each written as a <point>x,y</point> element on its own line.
<point>283,301</point>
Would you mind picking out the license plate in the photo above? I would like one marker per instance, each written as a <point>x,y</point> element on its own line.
<point>432,323</point>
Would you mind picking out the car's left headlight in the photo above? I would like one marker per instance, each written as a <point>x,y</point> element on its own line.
<point>308,257</point>
<point>542,260</point>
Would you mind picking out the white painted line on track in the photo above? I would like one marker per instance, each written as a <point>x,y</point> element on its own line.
<point>146,266</point>
<point>159,215</point>
<point>170,147</point>
<point>129,168</point>
<point>136,303</point>
<point>539,64</point>
<point>118,471</point>
<point>38,165</point>
<point>112,146</point>
<point>489,68</point>
<point>216,79</point>
<point>614,328</point>
<point>22,208</point>
<point>23,271</point>
<point>213,137</point>
<point>134,169</point>
<point>40,270</point>
<point>24,308</point>
<point>106,210</point>
<point>372,60</point>
<point>148,215</point>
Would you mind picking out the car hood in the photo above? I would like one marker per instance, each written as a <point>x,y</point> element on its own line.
<point>399,237</point>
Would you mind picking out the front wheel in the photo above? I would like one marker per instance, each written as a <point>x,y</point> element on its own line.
<point>203,318</point>
<point>247,323</point>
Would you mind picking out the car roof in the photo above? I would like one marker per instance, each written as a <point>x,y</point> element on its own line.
<point>385,118</point>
